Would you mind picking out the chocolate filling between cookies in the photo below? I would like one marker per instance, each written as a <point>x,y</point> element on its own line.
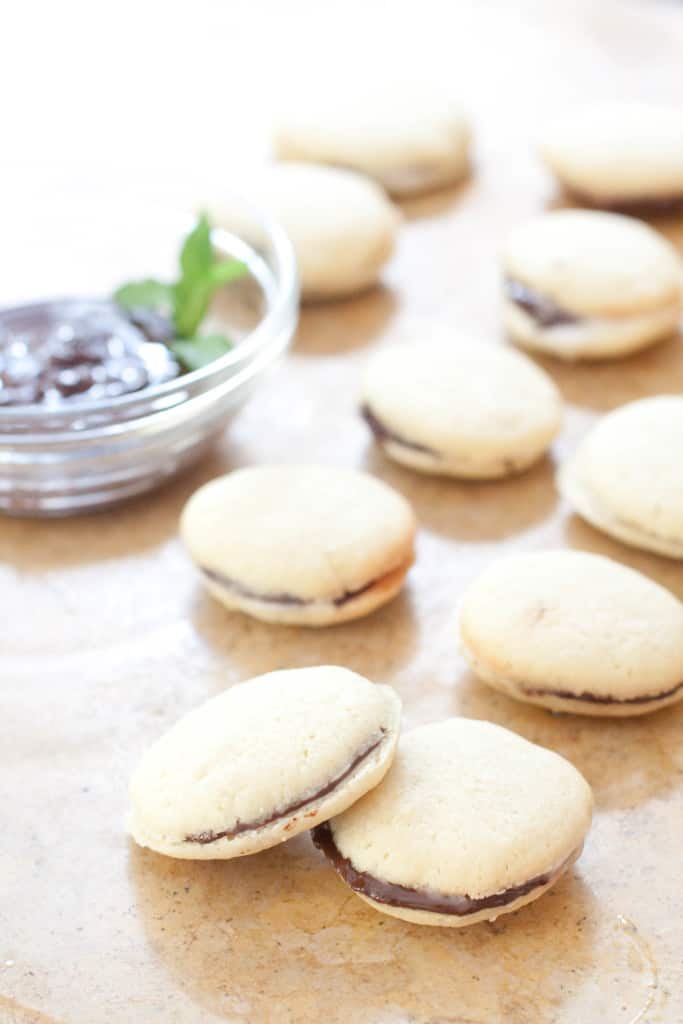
<point>594,698</point>
<point>542,310</point>
<point>285,598</point>
<point>394,895</point>
<point>204,838</point>
<point>639,204</point>
<point>383,433</point>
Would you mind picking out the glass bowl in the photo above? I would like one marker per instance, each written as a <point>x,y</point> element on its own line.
<point>86,455</point>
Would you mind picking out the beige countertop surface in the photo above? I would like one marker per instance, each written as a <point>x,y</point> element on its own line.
<point>106,636</point>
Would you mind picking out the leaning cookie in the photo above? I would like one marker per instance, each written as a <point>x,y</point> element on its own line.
<point>299,544</point>
<point>626,477</point>
<point>581,284</point>
<point>470,822</point>
<point>619,155</point>
<point>262,762</point>
<point>574,632</point>
<point>458,407</point>
<point>409,137</point>
<point>341,224</point>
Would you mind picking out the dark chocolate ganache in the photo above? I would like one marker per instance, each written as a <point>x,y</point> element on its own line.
<point>282,598</point>
<point>383,433</point>
<point>637,204</point>
<point>541,309</point>
<point>60,352</point>
<point>284,812</point>
<point>423,899</point>
<point>594,698</point>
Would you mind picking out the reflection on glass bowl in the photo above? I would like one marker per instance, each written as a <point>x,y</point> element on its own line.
<point>85,453</point>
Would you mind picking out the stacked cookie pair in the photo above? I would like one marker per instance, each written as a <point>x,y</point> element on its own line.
<point>453,823</point>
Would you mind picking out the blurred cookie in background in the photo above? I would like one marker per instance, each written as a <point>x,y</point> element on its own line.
<point>619,155</point>
<point>341,224</point>
<point>411,137</point>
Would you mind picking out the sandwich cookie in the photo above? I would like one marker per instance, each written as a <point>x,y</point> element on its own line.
<point>460,408</point>
<point>408,136</point>
<point>304,545</point>
<point>471,822</point>
<point>626,478</point>
<point>574,632</point>
<point>342,225</point>
<point>262,762</point>
<point>619,155</point>
<point>581,284</point>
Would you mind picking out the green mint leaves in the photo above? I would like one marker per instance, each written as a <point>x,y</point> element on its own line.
<point>187,300</point>
<point>202,349</point>
<point>149,294</point>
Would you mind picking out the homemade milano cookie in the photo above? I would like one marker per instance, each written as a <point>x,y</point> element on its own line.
<point>581,284</point>
<point>574,632</point>
<point>460,408</point>
<point>306,545</point>
<point>471,822</point>
<point>341,224</point>
<point>409,136</point>
<point>626,477</point>
<point>262,762</point>
<point>619,154</point>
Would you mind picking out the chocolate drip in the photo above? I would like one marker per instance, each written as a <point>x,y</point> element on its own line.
<point>203,838</point>
<point>422,899</point>
<point>282,598</point>
<point>544,311</point>
<point>382,433</point>
<point>594,698</point>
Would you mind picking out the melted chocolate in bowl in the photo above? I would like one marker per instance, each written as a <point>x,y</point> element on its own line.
<point>54,354</point>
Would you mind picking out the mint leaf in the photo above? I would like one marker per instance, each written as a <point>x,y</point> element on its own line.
<point>187,300</point>
<point>227,271</point>
<point>192,294</point>
<point>150,294</point>
<point>196,255</point>
<point>191,301</point>
<point>200,350</point>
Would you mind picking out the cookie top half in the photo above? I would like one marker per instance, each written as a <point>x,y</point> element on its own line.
<point>263,761</point>
<point>626,477</point>
<point>594,264</point>
<point>468,809</point>
<point>549,626</point>
<point>312,533</point>
<point>618,153</point>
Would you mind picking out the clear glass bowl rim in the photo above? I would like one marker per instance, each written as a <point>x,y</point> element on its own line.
<point>197,382</point>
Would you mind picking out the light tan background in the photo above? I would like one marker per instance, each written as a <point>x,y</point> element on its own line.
<point>107,637</point>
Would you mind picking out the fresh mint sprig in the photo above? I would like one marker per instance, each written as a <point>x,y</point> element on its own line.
<point>186,301</point>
